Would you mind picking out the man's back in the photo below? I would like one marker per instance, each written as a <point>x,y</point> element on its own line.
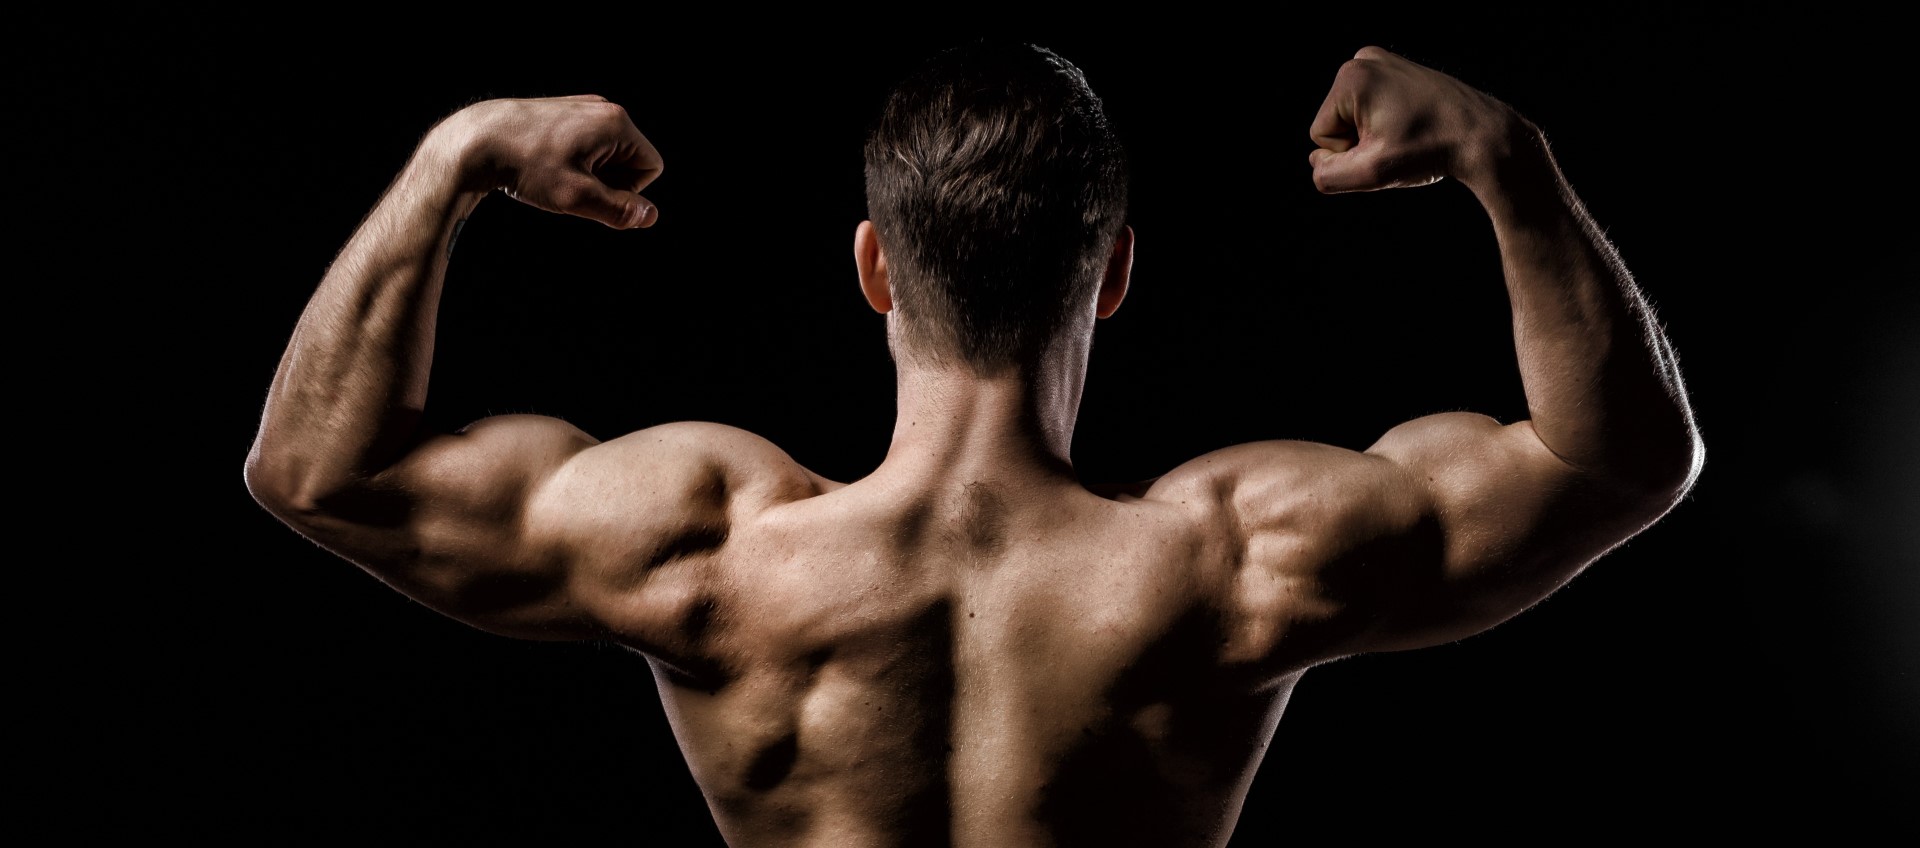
<point>968,646</point>
<point>975,650</point>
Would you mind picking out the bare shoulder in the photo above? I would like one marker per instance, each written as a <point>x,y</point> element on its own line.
<point>744,458</point>
<point>1308,544</point>
<point>1296,485</point>
<point>688,472</point>
<point>1444,527</point>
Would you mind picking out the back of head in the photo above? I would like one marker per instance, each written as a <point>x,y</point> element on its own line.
<point>997,187</point>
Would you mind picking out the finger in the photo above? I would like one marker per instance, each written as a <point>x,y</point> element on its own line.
<point>634,212</point>
<point>627,179</point>
<point>644,212</point>
<point>1336,126</point>
<point>1333,128</point>
<point>631,162</point>
<point>1335,172</point>
<point>583,97</point>
<point>590,198</point>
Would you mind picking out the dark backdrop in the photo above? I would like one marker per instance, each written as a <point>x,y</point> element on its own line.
<point>1747,664</point>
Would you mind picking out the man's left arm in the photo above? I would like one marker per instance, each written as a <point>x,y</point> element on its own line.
<point>341,455</point>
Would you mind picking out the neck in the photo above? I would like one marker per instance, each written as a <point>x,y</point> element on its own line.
<point>955,421</point>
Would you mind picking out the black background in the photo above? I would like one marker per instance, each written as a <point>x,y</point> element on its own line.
<point>1746,665</point>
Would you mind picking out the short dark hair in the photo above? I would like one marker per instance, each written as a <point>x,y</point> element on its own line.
<point>997,187</point>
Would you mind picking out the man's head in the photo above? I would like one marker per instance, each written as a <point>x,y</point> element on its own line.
<point>998,197</point>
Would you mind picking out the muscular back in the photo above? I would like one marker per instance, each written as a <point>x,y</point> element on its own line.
<point>1013,661</point>
<point>969,647</point>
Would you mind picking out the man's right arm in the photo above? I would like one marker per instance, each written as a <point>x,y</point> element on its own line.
<point>1453,523</point>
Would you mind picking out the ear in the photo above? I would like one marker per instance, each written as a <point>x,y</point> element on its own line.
<point>872,262</point>
<point>1113,287</point>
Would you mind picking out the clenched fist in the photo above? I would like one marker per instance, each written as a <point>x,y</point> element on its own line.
<point>1393,123</point>
<point>577,155</point>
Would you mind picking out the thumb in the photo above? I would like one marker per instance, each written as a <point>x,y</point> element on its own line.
<point>1354,169</point>
<point>621,210</point>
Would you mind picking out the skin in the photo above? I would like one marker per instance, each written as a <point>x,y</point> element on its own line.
<point>970,646</point>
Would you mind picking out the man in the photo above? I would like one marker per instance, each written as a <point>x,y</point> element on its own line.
<point>970,646</point>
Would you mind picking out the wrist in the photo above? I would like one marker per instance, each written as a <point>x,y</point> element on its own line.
<point>453,155</point>
<point>1511,162</point>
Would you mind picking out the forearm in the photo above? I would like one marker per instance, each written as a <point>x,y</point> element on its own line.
<point>1603,387</point>
<point>348,394</point>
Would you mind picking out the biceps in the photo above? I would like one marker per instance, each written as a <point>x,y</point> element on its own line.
<point>1515,522</point>
<point>448,524</point>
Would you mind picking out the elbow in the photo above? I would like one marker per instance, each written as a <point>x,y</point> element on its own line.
<point>312,496</point>
<point>1682,468</point>
<point>1695,460</point>
<point>1663,477</point>
<point>275,485</point>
